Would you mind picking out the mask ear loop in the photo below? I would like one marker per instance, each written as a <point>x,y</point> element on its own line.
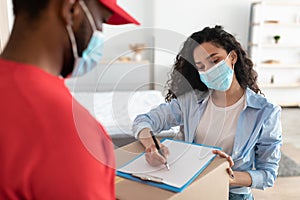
<point>227,56</point>
<point>226,59</point>
<point>88,14</point>
<point>73,41</point>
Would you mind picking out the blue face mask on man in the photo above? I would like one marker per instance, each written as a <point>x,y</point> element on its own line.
<point>94,51</point>
<point>90,56</point>
<point>219,77</point>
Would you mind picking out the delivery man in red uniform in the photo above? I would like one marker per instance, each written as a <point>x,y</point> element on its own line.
<point>50,146</point>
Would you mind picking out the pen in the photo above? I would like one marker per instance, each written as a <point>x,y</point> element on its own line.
<point>158,149</point>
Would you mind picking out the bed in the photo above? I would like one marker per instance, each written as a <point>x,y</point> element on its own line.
<point>117,110</point>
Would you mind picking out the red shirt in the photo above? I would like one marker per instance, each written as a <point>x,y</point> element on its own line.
<point>50,146</point>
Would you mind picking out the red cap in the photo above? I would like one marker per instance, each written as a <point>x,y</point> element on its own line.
<point>119,15</point>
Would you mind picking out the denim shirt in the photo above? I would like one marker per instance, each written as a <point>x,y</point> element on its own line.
<point>258,138</point>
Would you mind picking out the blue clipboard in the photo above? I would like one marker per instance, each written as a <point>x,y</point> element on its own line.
<point>156,183</point>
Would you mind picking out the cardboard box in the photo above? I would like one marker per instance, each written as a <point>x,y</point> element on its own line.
<point>212,183</point>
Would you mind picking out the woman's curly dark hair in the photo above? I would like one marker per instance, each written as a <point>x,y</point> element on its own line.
<point>184,77</point>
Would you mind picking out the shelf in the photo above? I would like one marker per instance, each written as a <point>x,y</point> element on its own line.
<point>288,104</point>
<point>262,65</point>
<point>277,64</point>
<point>107,62</point>
<point>277,3</point>
<point>268,24</point>
<point>280,86</point>
<point>275,45</point>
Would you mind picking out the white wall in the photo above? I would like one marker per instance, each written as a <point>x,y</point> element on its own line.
<point>186,17</point>
<point>10,14</point>
<point>119,37</point>
<point>189,16</point>
<point>6,20</point>
<point>173,20</point>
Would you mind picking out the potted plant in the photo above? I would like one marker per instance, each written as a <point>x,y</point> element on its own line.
<point>276,38</point>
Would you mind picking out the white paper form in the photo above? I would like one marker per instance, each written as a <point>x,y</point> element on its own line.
<point>185,161</point>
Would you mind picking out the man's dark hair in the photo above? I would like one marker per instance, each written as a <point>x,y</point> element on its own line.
<point>31,8</point>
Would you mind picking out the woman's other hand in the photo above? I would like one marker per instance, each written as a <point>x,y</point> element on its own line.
<point>222,154</point>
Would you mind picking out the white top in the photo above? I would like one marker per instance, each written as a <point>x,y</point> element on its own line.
<point>217,126</point>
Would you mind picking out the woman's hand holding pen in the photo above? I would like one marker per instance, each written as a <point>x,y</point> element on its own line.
<point>153,157</point>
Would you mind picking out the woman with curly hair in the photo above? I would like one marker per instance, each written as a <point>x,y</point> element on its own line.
<point>213,95</point>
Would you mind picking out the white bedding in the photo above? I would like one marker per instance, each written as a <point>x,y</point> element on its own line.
<point>117,110</point>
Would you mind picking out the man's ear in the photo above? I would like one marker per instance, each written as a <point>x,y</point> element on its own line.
<point>68,10</point>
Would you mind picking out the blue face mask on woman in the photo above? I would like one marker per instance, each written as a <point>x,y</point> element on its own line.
<point>219,77</point>
<point>94,51</point>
